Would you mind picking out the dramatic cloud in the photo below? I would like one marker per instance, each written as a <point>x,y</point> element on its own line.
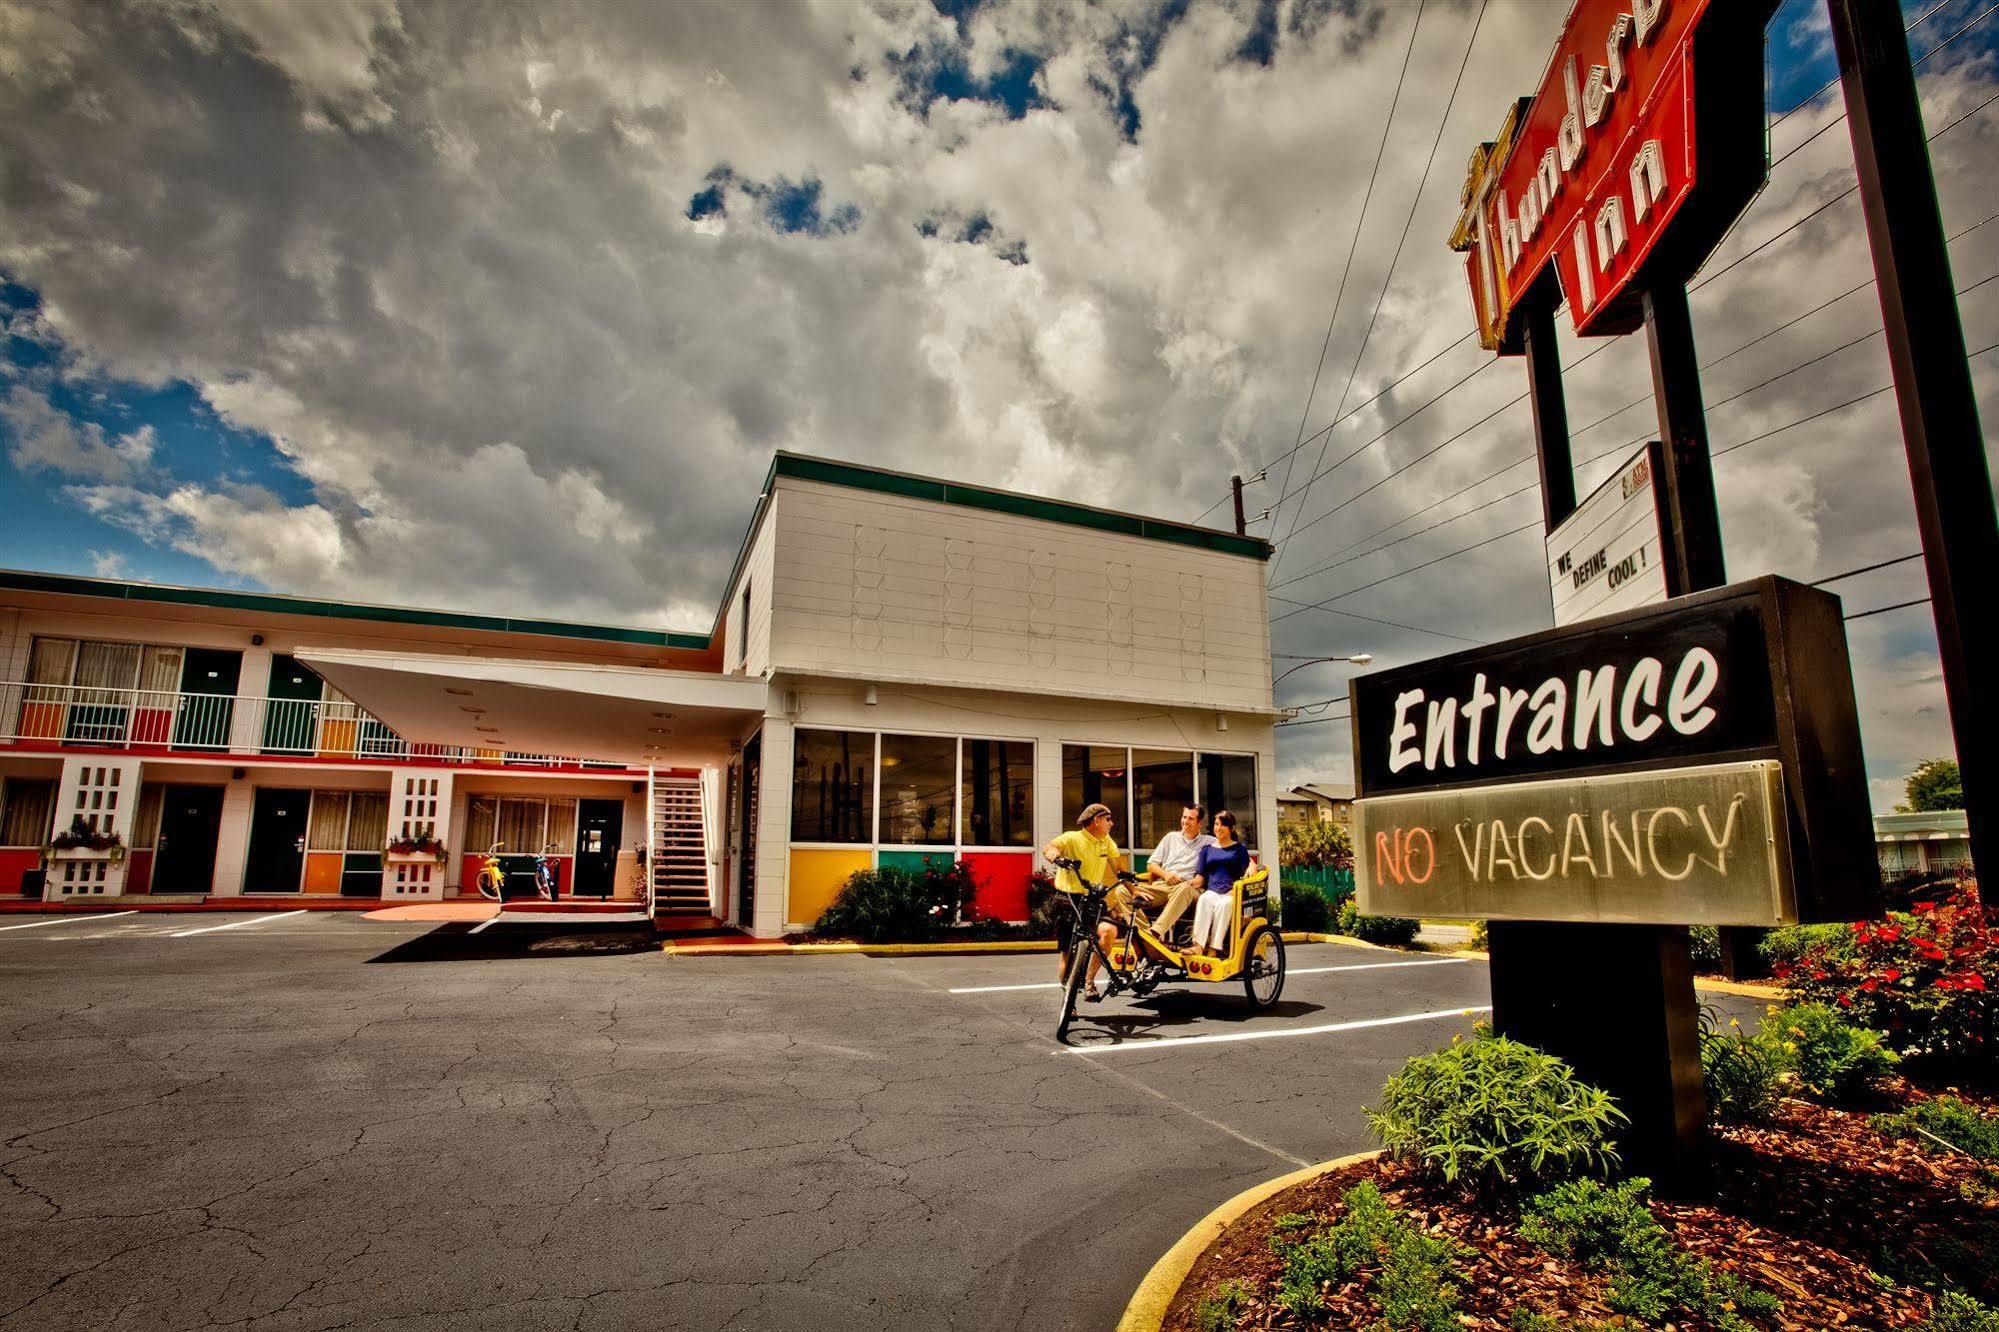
<point>517,299</point>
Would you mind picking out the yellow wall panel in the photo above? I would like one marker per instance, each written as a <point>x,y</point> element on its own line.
<point>816,877</point>
<point>322,871</point>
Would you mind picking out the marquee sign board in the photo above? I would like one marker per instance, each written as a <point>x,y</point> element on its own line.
<point>1610,554</point>
<point>1697,846</point>
<point>1643,142</point>
<point>1753,671</point>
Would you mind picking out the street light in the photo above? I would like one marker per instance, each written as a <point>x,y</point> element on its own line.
<point>1356,659</point>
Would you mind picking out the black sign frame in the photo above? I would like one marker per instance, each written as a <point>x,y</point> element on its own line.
<point>1782,689</point>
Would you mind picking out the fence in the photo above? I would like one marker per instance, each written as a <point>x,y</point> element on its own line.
<point>1335,883</point>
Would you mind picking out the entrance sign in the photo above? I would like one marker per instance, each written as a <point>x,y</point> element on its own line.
<point>1642,143</point>
<point>1610,554</point>
<point>1756,670</point>
<point>1703,846</point>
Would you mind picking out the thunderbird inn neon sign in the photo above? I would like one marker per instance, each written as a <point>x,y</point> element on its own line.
<point>1605,166</point>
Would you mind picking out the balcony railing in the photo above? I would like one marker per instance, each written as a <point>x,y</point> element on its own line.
<point>235,724</point>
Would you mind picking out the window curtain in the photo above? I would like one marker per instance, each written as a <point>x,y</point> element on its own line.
<point>520,826</point>
<point>159,673</point>
<point>27,811</point>
<point>562,826</point>
<point>146,818</point>
<point>368,824</point>
<point>328,831</point>
<point>481,818</point>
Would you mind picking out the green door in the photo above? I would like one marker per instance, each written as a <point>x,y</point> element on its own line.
<point>291,716</point>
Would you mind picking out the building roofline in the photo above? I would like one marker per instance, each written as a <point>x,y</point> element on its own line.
<point>277,603</point>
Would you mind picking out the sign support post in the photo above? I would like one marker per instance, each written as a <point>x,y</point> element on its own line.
<point>1551,412</point>
<point>1940,428</point>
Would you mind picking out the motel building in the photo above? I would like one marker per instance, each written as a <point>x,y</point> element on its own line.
<point>901,668</point>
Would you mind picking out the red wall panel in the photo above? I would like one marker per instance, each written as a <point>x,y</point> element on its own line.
<point>1002,878</point>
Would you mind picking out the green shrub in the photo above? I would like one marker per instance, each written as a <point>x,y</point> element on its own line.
<point>1391,930</point>
<point>1314,845</point>
<point>1481,936</point>
<point>1739,1072</point>
<point>1493,1113</point>
<point>1221,1308</point>
<point>1948,1118</point>
<point>1788,943</point>
<point>1955,1311</point>
<point>1831,1057</point>
<point>889,905</point>
<point>1610,1229</point>
<point>1705,940</point>
<point>1306,907</point>
<point>1412,1271</point>
<point>1344,917</point>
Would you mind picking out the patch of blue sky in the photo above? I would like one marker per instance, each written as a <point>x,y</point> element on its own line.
<point>1802,59</point>
<point>48,527</point>
<point>791,207</point>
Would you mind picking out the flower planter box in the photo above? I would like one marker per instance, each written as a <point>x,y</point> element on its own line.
<point>86,853</point>
<point>414,857</point>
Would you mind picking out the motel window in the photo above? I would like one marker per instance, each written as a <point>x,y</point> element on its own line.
<point>562,826</point>
<point>996,792</point>
<point>1228,781</point>
<point>327,830</point>
<point>480,813</point>
<point>1162,784</point>
<point>146,816</point>
<point>833,786</point>
<point>520,826</point>
<point>919,786</point>
<point>27,811</point>
<point>368,821</point>
<point>1093,774</point>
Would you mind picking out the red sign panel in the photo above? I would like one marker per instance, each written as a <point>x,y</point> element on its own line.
<point>1590,176</point>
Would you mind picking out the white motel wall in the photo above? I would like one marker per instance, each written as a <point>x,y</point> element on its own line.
<point>901,669</point>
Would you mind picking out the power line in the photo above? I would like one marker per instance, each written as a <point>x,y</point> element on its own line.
<point>1865,568</point>
<point>1883,610</point>
<point>1315,721</point>
<point>1393,624</point>
<point>1337,562</point>
<point>1388,280</point>
<point>1327,604</point>
<point>1352,245</point>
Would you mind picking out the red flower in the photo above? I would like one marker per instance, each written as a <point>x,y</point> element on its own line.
<point>1972,981</point>
<point>1891,975</point>
<point>1869,985</point>
<point>1846,1001</point>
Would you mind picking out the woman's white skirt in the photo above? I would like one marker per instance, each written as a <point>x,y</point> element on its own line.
<point>1211,920</point>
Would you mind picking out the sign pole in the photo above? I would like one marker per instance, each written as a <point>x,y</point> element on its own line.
<point>1616,1002</point>
<point>1940,428</point>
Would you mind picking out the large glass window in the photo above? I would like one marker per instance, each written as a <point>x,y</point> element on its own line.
<point>146,817</point>
<point>519,829</point>
<point>328,829</point>
<point>833,786</point>
<point>1093,774</point>
<point>27,811</point>
<point>481,814</point>
<point>997,791</point>
<point>1228,781</point>
<point>1162,784</point>
<point>562,825</point>
<point>368,824</point>
<point>919,786</point>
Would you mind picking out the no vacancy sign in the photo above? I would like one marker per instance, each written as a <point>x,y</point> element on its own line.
<point>1726,718</point>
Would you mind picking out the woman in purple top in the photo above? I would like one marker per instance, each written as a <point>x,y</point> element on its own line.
<point>1218,868</point>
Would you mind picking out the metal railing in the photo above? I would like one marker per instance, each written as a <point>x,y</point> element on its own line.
<point>236,724</point>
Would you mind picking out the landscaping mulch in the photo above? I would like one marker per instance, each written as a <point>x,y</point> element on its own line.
<point>1835,1219</point>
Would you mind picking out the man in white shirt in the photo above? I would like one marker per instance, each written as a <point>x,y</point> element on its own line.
<point>1169,880</point>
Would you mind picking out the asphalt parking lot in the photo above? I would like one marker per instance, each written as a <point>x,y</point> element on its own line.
<point>319,1121</point>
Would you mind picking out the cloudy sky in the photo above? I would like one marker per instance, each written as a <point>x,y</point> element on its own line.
<point>504,305</point>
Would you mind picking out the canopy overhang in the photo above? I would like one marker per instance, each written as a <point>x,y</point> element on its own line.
<point>637,716</point>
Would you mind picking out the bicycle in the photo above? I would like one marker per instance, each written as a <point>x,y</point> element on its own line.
<point>1141,961</point>
<point>492,879</point>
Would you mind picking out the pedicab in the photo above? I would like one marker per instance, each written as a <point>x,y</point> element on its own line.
<point>1142,960</point>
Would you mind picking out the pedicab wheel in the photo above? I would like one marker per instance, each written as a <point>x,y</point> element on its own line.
<point>1263,967</point>
<point>1072,988</point>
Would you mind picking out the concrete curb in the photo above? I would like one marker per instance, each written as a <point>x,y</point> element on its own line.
<point>1719,986</point>
<point>1161,1286</point>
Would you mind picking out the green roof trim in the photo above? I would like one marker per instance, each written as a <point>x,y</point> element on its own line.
<point>888,482</point>
<point>273,603</point>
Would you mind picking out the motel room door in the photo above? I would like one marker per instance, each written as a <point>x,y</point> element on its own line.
<point>277,841</point>
<point>600,824</point>
<point>190,824</point>
<point>208,679</point>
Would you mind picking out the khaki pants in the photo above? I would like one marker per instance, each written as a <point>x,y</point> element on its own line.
<point>1175,898</point>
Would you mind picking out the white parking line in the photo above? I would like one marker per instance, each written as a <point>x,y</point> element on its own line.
<point>236,924</point>
<point>1286,1031</point>
<point>70,920</point>
<point>1294,971</point>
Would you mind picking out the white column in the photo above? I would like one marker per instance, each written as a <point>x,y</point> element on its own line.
<point>1266,801</point>
<point>419,801</point>
<point>232,839</point>
<point>773,868</point>
<point>102,792</point>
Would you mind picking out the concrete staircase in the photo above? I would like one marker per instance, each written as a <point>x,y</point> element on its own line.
<point>679,864</point>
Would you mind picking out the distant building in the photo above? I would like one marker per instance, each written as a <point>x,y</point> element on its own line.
<point>1932,842</point>
<point>1316,802</point>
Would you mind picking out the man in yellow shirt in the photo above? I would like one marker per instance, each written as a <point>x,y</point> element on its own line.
<point>1090,843</point>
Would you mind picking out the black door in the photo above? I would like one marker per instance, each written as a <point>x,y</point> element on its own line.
<point>208,679</point>
<point>291,717</point>
<point>599,826</point>
<point>277,841</point>
<point>190,821</point>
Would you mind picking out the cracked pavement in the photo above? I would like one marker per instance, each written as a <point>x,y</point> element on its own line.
<point>275,1128</point>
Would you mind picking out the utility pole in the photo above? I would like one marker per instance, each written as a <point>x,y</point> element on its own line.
<point>1235,489</point>
<point>1940,429</point>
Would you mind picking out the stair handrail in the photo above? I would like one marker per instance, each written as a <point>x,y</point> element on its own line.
<point>648,879</point>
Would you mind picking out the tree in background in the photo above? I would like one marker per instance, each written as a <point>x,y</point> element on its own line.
<point>1933,785</point>
<point>1315,845</point>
